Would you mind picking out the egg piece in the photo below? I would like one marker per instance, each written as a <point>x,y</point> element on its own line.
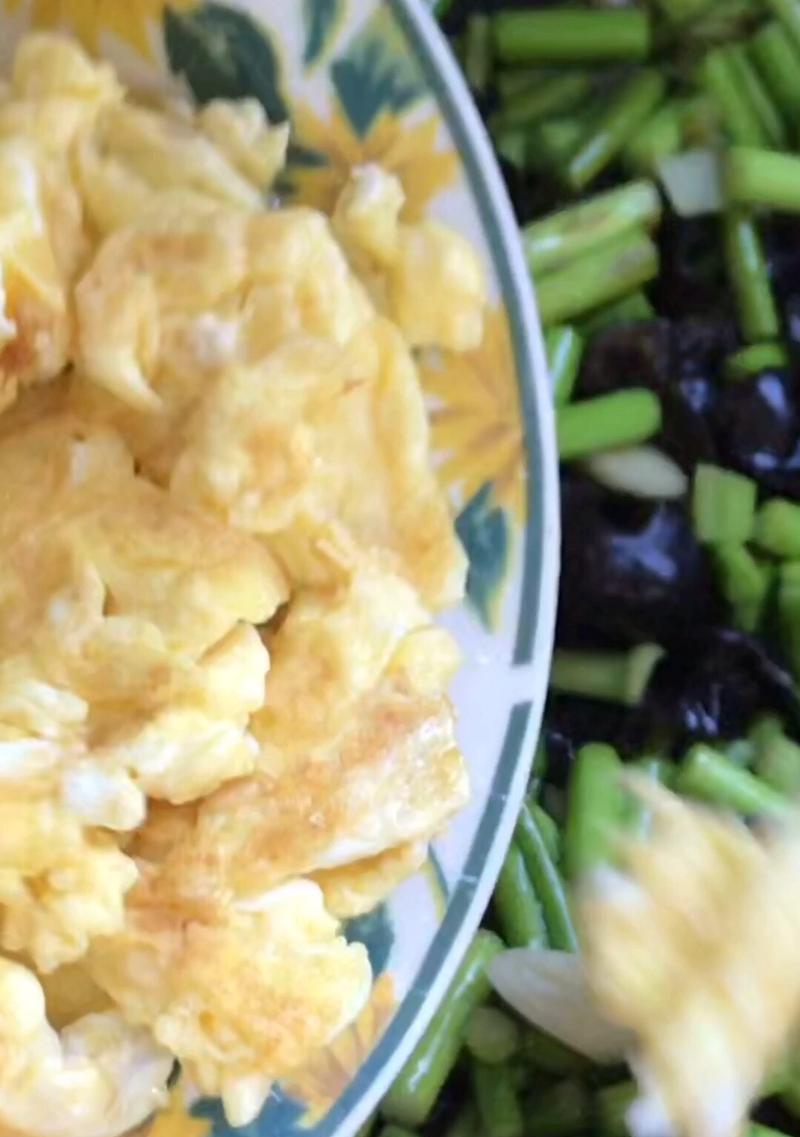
<point>169,304</point>
<point>34,320</point>
<point>242,995</point>
<point>54,914</point>
<point>136,159</point>
<point>71,994</point>
<point>366,218</point>
<point>48,65</point>
<point>100,1076</point>
<point>697,938</point>
<point>437,288</point>
<point>315,434</point>
<point>130,666</point>
<point>356,889</point>
<point>240,130</point>
<point>358,752</point>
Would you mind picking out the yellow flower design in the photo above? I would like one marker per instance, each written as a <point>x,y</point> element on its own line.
<point>409,150</point>
<point>477,418</point>
<point>129,20</point>
<point>322,1082</point>
<point>174,1121</point>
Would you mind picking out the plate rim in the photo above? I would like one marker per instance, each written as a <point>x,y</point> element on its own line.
<point>536,620</point>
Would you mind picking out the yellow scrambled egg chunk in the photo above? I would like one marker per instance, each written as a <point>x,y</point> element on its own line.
<point>357,752</point>
<point>224,721</point>
<point>694,950</point>
<point>99,1077</point>
<point>241,994</point>
<point>425,277</point>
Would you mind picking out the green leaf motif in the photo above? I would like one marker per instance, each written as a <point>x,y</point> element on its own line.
<point>486,535</point>
<point>224,54</point>
<point>321,19</point>
<point>378,72</point>
<point>375,932</point>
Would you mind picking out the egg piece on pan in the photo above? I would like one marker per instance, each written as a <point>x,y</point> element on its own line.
<point>316,442</point>
<point>357,757</point>
<point>242,995</point>
<point>99,1076</point>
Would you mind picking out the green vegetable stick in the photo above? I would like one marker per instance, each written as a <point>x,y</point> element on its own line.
<point>777,528</point>
<point>417,1086</point>
<point>749,276</point>
<point>606,274</point>
<point>564,348</point>
<point>722,82</point>
<point>606,422</point>
<point>658,137</point>
<point>519,914</point>
<point>549,97</point>
<point>613,676</point>
<point>547,883</point>
<point>578,229</point>
<point>492,1036</point>
<point>627,111</point>
<point>757,177</point>
<point>723,505</point>
<point>548,828</point>
<point>777,758</point>
<point>559,1111</point>
<point>596,809</point>
<point>758,96</point>
<point>778,60</point>
<point>499,1107</point>
<point>745,583</point>
<point>572,35</point>
<point>707,774</point>
<point>478,53</point>
<point>756,357</point>
<point>788,13</point>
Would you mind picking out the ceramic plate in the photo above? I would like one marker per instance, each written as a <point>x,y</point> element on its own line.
<point>366,81</point>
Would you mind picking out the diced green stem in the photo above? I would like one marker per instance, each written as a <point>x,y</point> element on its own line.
<point>604,275</point>
<point>606,422</point>
<point>762,177</point>
<point>721,81</point>
<point>788,13</point>
<point>596,809</point>
<point>572,35</point>
<point>418,1084</point>
<point>549,97</point>
<point>757,357</point>
<point>777,528</point>
<point>519,914</point>
<point>628,109</point>
<point>749,276</point>
<point>758,96</point>
<point>778,60</point>
<point>745,584</point>
<point>723,505</point>
<point>560,1111</point>
<point>499,1107</point>
<point>564,348</point>
<point>547,883</point>
<point>707,774</point>
<point>492,1036</point>
<point>579,229</point>
<point>478,53</point>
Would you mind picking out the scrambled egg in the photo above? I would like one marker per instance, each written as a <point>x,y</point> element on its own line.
<point>224,722</point>
<point>694,951</point>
